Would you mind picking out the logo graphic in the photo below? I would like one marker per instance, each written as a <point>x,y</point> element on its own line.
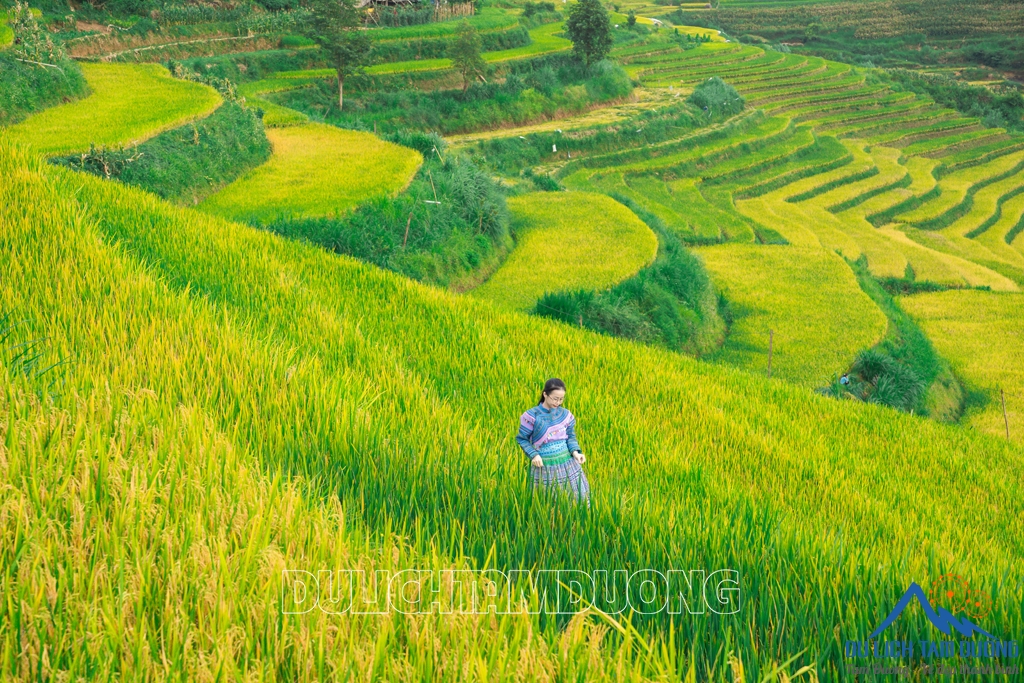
<point>949,595</point>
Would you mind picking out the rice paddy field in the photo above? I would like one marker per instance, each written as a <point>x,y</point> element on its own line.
<point>191,405</point>
<point>225,338</point>
<point>805,298</point>
<point>982,335</point>
<point>315,170</point>
<point>129,103</point>
<point>569,241</point>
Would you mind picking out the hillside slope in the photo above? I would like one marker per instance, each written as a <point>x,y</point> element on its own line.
<point>403,400</point>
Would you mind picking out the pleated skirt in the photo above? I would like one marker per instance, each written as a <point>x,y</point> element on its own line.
<point>567,476</point>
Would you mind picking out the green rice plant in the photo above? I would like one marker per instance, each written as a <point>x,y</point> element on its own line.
<point>891,174</point>
<point>809,300</point>
<point>850,106</point>
<point>315,170</point>
<point>869,113</point>
<point>861,166</point>
<point>690,141</point>
<point>274,115</point>
<point>973,156</point>
<point>488,19</point>
<point>900,122</point>
<point>980,333</point>
<point>129,103</point>
<point>691,161</point>
<point>543,40</point>
<point>825,102</point>
<point>266,397</point>
<point>986,206</point>
<point>795,81</point>
<point>796,147</point>
<point>957,188</point>
<point>936,146</point>
<point>834,86</point>
<point>567,241</point>
<point>716,211</point>
<point>826,154</point>
<point>1002,231</point>
<point>900,138</point>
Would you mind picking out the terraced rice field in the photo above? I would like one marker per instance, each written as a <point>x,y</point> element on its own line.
<point>982,335</point>
<point>836,165</point>
<point>129,103</point>
<point>569,241</point>
<point>316,170</point>
<point>809,300</point>
<point>242,404</point>
<point>543,40</point>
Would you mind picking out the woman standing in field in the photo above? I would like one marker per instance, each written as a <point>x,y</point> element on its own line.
<point>547,435</point>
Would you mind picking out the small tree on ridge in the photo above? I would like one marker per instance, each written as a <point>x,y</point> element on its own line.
<point>465,54</point>
<point>335,26</point>
<point>590,31</point>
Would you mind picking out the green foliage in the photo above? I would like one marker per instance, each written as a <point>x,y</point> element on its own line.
<point>919,379</point>
<point>334,25</point>
<point>225,86</point>
<point>465,54</point>
<point>631,19</point>
<point>878,378</point>
<point>532,8</point>
<point>36,72</point>
<point>589,28</point>
<point>670,303</point>
<point>717,98</point>
<point>434,47</point>
<point>187,163</point>
<point>291,42</point>
<point>450,221</point>
<point>531,91</point>
<point>413,16</point>
<point>28,88</point>
<point>30,358</point>
<point>511,155</point>
<point>997,107</point>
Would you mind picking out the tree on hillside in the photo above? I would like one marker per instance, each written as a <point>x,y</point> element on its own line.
<point>335,26</point>
<point>590,31</point>
<point>465,54</point>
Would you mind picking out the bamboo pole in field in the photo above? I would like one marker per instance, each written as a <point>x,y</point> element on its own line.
<point>771,340</point>
<point>1006,420</point>
<point>406,238</point>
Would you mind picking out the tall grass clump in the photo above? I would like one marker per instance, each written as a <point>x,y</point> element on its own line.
<point>671,303</point>
<point>902,371</point>
<point>451,221</point>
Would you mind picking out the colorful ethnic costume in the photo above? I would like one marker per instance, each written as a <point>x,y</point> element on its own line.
<point>551,434</point>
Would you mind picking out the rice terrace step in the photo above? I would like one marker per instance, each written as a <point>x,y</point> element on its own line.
<point>512,340</point>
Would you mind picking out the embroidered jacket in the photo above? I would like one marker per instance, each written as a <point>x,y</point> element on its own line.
<point>539,426</point>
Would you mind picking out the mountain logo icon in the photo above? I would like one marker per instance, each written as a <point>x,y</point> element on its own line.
<point>942,618</point>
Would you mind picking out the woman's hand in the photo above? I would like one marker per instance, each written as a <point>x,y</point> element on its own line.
<point>537,461</point>
<point>580,458</point>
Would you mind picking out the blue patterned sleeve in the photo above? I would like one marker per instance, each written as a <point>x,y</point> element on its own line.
<point>570,435</point>
<point>526,422</point>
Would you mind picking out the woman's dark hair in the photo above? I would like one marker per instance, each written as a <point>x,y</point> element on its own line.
<point>549,386</point>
